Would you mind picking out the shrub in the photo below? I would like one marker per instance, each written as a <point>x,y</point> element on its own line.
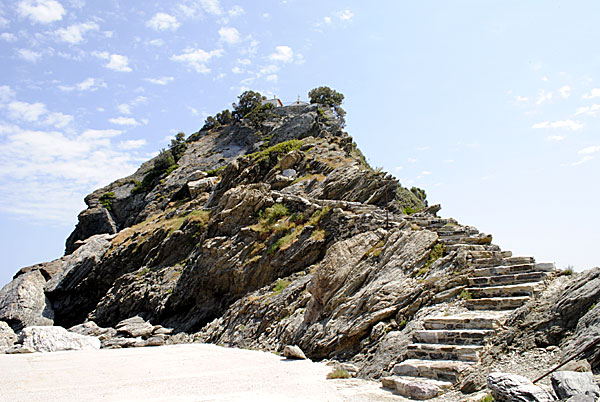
<point>465,295</point>
<point>215,172</point>
<point>106,200</point>
<point>487,398</point>
<point>273,213</point>
<point>280,285</point>
<point>338,373</point>
<point>566,272</point>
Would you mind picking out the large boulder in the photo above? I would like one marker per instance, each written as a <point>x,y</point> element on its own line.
<point>54,339</point>
<point>7,337</point>
<point>93,221</point>
<point>515,388</point>
<point>570,383</point>
<point>23,302</point>
<point>90,328</point>
<point>134,327</point>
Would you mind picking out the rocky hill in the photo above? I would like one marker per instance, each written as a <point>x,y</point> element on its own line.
<point>274,231</point>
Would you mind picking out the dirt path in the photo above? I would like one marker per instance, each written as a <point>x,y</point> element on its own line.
<point>193,372</point>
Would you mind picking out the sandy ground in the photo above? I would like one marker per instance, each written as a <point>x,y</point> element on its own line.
<point>192,372</point>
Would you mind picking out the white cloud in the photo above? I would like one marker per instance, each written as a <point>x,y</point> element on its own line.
<point>124,121</point>
<point>58,120</point>
<point>156,42</point>
<point>565,91</point>
<point>8,37</point>
<point>594,93</point>
<point>425,173</point>
<point>99,134</point>
<point>163,22</point>
<point>118,63</point>
<point>29,55</point>
<point>124,108</point>
<point>197,58</point>
<point>42,11</point>
<point>345,15</point>
<point>521,98</point>
<point>270,69</point>
<point>237,70</point>
<point>74,33</point>
<point>89,84</point>
<point>132,144</point>
<point>591,110</point>
<point>236,11</point>
<point>543,97</point>
<point>33,112</point>
<point>582,160</point>
<point>589,150</point>
<point>555,138</point>
<point>272,78</point>
<point>211,6</point>
<point>6,93</point>
<point>30,112</point>
<point>229,35</point>
<point>3,21</point>
<point>244,62</point>
<point>327,20</point>
<point>159,81</point>
<point>282,53</point>
<point>562,124</point>
<point>411,160</point>
<point>44,175</point>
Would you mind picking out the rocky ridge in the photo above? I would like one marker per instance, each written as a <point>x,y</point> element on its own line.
<point>283,235</point>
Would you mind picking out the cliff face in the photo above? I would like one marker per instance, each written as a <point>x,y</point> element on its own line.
<point>266,236</point>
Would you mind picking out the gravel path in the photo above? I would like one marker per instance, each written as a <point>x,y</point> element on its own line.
<point>192,372</point>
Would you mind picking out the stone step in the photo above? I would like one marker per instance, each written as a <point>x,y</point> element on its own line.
<point>545,266</point>
<point>497,303</point>
<point>488,254</point>
<point>519,260</point>
<point>444,370</point>
<point>468,320</point>
<point>466,247</point>
<point>509,279</point>
<point>503,270</point>
<point>453,336</point>
<point>521,289</point>
<point>432,351</point>
<point>491,262</point>
<point>416,387</point>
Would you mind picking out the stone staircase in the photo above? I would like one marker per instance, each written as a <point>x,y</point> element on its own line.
<point>448,345</point>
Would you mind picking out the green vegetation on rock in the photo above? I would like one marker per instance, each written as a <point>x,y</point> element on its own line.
<point>106,200</point>
<point>338,373</point>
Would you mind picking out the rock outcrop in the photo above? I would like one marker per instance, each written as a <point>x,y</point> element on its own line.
<point>277,234</point>
<point>54,339</point>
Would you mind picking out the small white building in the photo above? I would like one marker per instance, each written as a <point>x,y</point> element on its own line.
<point>275,101</point>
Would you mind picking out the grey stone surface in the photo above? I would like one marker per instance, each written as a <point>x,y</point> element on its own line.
<point>293,352</point>
<point>23,302</point>
<point>515,388</point>
<point>134,327</point>
<point>7,337</point>
<point>53,339</point>
<point>92,329</point>
<point>570,383</point>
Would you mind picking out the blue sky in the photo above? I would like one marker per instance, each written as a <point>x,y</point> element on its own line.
<point>492,107</point>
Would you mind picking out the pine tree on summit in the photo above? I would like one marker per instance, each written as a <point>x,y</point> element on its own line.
<point>331,98</point>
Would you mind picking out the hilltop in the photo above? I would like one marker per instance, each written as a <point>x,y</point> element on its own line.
<point>267,228</point>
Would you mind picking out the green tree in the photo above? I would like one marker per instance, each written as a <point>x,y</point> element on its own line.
<point>330,98</point>
<point>210,123</point>
<point>248,102</point>
<point>177,146</point>
<point>224,117</point>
